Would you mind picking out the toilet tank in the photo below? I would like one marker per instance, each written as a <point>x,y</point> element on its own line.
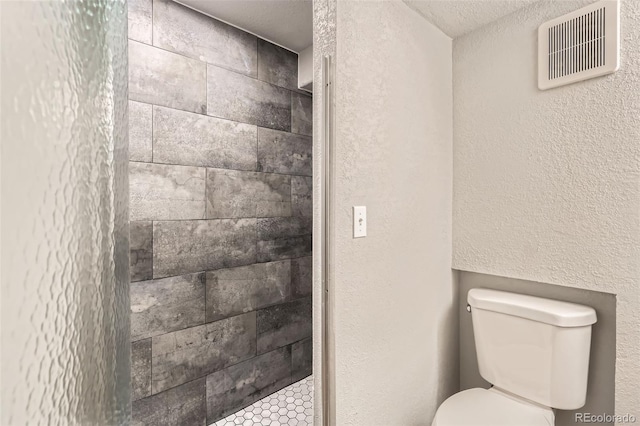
<point>533,347</point>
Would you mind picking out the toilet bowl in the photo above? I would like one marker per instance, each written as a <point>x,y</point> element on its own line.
<point>490,407</point>
<point>534,352</point>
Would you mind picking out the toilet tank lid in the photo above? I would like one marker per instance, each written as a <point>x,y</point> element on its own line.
<point>548,311</point>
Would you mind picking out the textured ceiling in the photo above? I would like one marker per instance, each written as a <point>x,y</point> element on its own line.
<point>288,23</point>
<point>459,17</point>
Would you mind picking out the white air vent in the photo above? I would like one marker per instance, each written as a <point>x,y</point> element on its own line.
<point>580,45</point>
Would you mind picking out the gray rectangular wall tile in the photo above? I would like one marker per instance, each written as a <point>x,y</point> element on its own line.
<point>246,288</point>
<point>197,98</point>
<point>141,250</point>
<point>165,192</point>
<point>185,355</point>
<point>301,276</point>
<point>240,98</point>
<point>243,384</point>
<point>283,324</point>
<point>140,369</point>
<point>302,196</point>
<point>182,405</point>
<point>277,65</point>
<point>281,152</point>
<point>140,131</point>
<point>301,114</point>
<point>232,193</point>
<point>188,246</point>
<point>164,78</point>
<point>281,227</point>
<point>192,139</point>
<point>169,304</point>
<point>139,12</point>
<point>301,359</point>
<point>198,36</point>
<point>284,248</point>
<point>283,238</point>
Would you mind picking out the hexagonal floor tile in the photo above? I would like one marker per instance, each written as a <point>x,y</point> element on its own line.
<point>290,406</point>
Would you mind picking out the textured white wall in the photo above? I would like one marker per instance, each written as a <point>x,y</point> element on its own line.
<point>547,184</point>
<point>395,327</point>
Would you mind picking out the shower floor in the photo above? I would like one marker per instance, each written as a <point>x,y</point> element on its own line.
<point>292,406</point>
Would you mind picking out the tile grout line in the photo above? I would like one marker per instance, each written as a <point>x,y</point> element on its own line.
<point>152,26</point>
<point>206,191</point>
<point>222,168</point>
<point>232,267</point>
<point>152,256</point>
<point>206,397</point>
<point>291,359</point>
<point>256,230</point>
<point>206,89</point>
<point>256,352</point>
<point>153,126</point>
<point>151,367</point>
<point>272,305</point>
<point>257,148</point>
<point>257,58</point>
<point>303,135</point>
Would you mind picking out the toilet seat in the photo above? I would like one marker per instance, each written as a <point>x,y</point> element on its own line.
<point>482,407</point>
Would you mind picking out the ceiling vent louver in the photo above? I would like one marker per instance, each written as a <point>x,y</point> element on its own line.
<point>580,45</point>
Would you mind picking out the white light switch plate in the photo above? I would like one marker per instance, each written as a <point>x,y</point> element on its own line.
<point>359,221</point>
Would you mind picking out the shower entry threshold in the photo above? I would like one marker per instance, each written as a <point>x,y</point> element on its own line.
<point>291,406</point>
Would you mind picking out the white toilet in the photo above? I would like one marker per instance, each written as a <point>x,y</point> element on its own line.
<point>535,353</point>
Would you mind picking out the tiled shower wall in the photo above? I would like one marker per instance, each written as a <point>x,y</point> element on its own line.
<point>220,196</point>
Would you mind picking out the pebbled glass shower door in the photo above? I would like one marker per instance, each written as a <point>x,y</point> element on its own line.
<point>64,213</point>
